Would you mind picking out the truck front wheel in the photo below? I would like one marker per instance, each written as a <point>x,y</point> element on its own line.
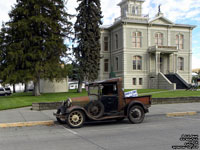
<point>76,118</point>
<point>136,114</point>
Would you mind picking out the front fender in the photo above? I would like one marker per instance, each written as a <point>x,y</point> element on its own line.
<point>70,109</point>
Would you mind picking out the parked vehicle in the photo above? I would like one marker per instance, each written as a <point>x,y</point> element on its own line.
<point>8,91</point>
<point>2,91</point>
<point>105,101</point>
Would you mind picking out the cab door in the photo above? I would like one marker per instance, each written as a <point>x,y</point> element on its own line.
<point>109,97</point>
<point>110,103</point>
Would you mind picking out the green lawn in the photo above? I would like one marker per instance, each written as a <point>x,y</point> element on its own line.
<point>26,99</point>
<point>160,93</point>
<point>178,93</point>
<point>17,100</point>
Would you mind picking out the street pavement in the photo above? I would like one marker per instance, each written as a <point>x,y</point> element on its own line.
<point>27,115</point>
<point>155,133</point>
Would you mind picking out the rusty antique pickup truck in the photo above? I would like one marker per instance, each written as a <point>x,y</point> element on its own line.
<point>105,101</point>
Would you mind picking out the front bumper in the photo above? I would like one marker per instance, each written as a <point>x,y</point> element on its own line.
<point>60,116</point>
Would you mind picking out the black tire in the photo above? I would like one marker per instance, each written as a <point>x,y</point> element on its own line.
<point>76,119</point>
<point>136,114</point>
<point>58,119</point>
<point>95,109</point>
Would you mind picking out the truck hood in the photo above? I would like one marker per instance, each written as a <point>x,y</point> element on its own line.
<point>81,101</point>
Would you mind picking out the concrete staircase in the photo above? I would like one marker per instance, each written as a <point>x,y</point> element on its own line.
<point>178,80</point>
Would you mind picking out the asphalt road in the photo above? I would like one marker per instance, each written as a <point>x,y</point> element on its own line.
<point>155,133</point>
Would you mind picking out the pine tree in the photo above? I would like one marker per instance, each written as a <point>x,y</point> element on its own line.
<point>35,41</point>
<point>87,36</point>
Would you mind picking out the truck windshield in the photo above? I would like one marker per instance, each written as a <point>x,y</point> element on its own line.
<point>93,90</point>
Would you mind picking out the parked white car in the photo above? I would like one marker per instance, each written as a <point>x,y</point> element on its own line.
<point>2,91</point>
<point>8,91</point>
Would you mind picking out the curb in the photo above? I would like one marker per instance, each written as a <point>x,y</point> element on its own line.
<point>176,114</point>
<point>27,124</point>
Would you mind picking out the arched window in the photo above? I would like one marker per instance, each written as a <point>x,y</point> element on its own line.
<point>117,63</point>
<point>125,10</point>
<point>105,43</point>
<point>137,63</point>
<point>159,39</point>
<point>180,63</point>
<point>137,39</point>
<point>135,10</point>
<point>180,41</point>
<point>116,41</point>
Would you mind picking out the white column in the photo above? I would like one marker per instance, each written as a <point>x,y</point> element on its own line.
<point>174,62</point>
<point>149,62</point>
<point>168,37</point>
<point>157,62</point>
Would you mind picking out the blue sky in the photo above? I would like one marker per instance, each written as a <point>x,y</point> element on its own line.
<point>178,11</point>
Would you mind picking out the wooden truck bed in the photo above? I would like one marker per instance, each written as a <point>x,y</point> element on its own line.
<point>146,100</point>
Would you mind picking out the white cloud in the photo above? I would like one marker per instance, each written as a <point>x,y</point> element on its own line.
<point>195,61</point>
<point>5,7</point>
<point>174,9</point>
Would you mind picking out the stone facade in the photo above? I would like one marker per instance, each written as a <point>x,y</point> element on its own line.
<point>138,48</point>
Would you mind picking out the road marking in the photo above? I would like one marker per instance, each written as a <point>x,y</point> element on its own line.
<point>71,131</point>
<point>194,119</point>
<point>27,124</point>
<point>176,114</point>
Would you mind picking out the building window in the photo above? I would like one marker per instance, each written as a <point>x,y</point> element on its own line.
<point>106,43</point>
<point>134,81</point>
<point>180,41</point>
<point>125,10</point>
<point>137,63</point>
<point>137,40</point>
<point>140,81</point>
<point>159,39</point>
<point>117,63</point>
<point>106,65</point>
<point>180,63</point>
<point>135,10</point>
<point>116,41</point>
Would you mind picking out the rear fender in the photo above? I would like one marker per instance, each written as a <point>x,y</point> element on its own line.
<point>135,103</point>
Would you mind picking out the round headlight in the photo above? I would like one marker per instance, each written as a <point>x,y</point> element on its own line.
<point>69,102</point>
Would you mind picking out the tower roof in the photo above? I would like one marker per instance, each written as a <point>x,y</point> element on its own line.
<point>123,1</point>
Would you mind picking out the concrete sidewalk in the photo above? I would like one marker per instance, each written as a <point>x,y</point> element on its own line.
<point>28,115</point>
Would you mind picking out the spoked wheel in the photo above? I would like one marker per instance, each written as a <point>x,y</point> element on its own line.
<point>136,114</point>
<point>76,119</point>
<point>95,109</point>
<point>62,120</point>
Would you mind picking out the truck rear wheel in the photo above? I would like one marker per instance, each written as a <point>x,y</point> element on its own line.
<point>76,118</point>
<point>136,114</point>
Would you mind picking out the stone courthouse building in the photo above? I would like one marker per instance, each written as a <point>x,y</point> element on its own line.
<point>146,53</point>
